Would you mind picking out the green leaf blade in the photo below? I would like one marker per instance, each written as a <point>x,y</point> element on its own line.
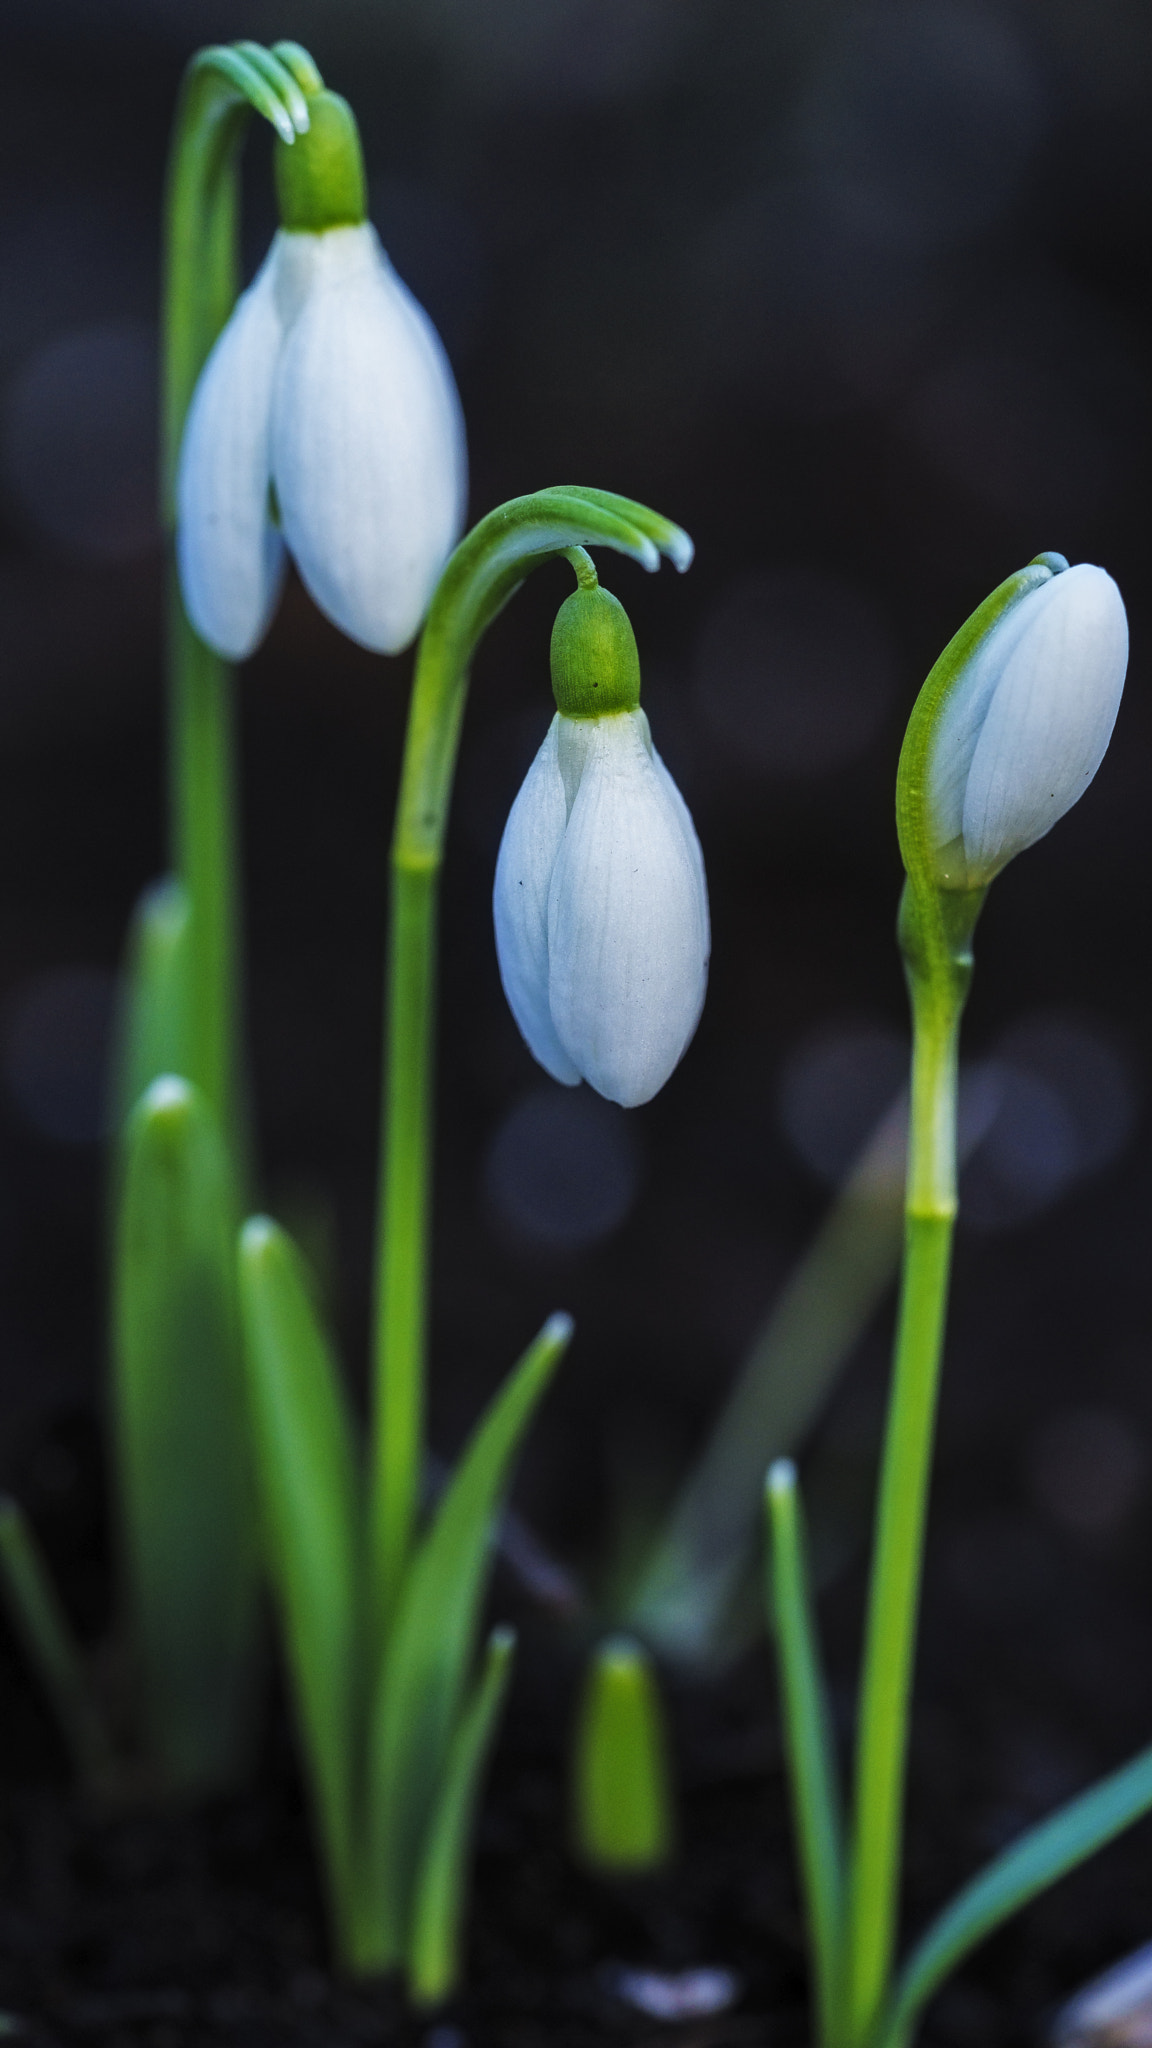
<point>1039,1859</point>
<point>808,1739</point>
<point>431,1645</point>
<point>181,1438</point>
<point>152,1036</point>
<point>310,1493</point>
<point>438,1910</point>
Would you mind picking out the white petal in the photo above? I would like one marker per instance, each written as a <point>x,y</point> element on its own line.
<point>229,554</point>
<point>520,906</point>
<point>1050,718</point>
<point>627,913</point>
<point>368,453</point>
<point>959,726</point>
<point>692,843</point>
<point>307,263</point>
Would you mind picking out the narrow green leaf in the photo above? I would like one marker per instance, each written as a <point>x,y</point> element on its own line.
<point>43,1627</point>
<point>152,1033</point>
<point>809,1745</point>
<point>310,1493</point>
<point>622,1784</point>
<point>1042,1856</point>
<point>434,1955</point>
<point>181,1439</point>
<point>431,1645</point>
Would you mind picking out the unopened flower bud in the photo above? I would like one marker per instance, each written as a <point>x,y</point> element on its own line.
<point>1024,726</point>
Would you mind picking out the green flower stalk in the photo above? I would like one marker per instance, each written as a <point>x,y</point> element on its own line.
<point>222,87</point>
<point>1007,732</point>
<point>316,413</point>
<point>380,1609</point>
<point>296,416</point>
<point>185,1497</point>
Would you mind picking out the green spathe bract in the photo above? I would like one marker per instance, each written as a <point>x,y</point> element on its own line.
<point>852,1892</point>
<point>622,1805</point>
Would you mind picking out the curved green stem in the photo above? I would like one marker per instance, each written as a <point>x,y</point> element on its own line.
<point>488,566</point>
<point>935,934</point>
<point>222,86</point>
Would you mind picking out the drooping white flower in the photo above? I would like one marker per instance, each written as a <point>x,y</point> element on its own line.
<point>601,909</point>
<point>327,402</point>
<point>1025,727</point>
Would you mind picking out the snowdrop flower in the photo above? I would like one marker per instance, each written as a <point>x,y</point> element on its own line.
<point>600,902</point>
<point>1023,729</point>
<point>325,422</point>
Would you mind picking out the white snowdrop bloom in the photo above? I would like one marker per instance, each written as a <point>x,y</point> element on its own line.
<point>1025,727</point>
<point>600,901</point>
<point>325,420</point>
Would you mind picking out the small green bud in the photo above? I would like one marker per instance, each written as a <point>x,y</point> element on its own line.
<point>622,1791</point>
<point>595,666</point>
<point>320,180</point>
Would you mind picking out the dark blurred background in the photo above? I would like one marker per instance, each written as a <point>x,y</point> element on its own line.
<point>859,295</point>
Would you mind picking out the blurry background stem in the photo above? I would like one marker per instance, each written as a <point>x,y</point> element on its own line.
<point>707,1544</point>
<point>686,1600</point>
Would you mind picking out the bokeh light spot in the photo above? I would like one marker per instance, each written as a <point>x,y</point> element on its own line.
<point>1086,1468</point>
<point>563,1170</point>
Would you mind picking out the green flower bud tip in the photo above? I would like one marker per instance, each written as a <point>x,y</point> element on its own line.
<point>595,665</point>
<point>623,1801</point>
<point>320,180</point>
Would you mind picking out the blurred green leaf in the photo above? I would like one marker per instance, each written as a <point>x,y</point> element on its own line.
<point>431,1646</point>
<point>1029,1866</point>
<point>40,1621</point>
<point>441,1887</point>
<point>310,1490</point>
<point>152,1028</point>
<point>622,1784</point>
<point>180,1427</point>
